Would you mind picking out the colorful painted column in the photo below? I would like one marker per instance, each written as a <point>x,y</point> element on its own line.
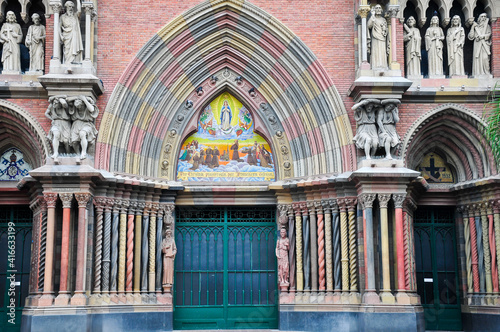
<point>106,251</point>
<point>145,249</point>
<point>337,264</point>
<point>159,238</point>
<point>115,232</point>
<point>399,200</point>
<point>306,248</point>
<point>138,248</point>
<point>474,253</point>
<point>79,297</point>
<point>298,238</point>
<point>496,221</point>
<point>328,241</point>
<point>48,293</point>
<point>321,246</point>
<point>353,249</point>
<point>491,237</point>
<point>152,247</point>
<point>386,295</point>
<point>344,245</point>
<point>122,246</point>
<point>100,203</point>
<point>291,256</point>
<point>130,247</point>
<point>480,249</point>
<point>63,297</point>
<point>313,236</point>
<point>468,257</point>
<point>370,296</point>
<point>486,248</point>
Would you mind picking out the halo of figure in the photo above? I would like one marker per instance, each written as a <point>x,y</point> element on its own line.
<point>413,41</point>
<point>455,39</point>
<point>378,39</point>
<point>387,117</point>
<point>11,36</point>
<point>480,33</point>
<point>35,41</point>
<point>434,37</point>
<point>366,135</point>
<point>71,37</point>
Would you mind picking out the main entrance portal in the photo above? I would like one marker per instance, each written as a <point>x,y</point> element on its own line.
<point>225,268</point>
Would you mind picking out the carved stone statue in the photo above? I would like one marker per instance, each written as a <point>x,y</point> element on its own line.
<point>60,130</point>
<point>387,117</point>
<point>10,36</point>
<point>35,41</point>
<point>434,37</point>
<point>282,248</point>
<point>366,134</point>
<point>71,37</point>
<point>455,40</point>
<point>83,113</point>
<point>413,41</point>
<point>169,250</point>
<point>378,39</point>
<point>480,33</point>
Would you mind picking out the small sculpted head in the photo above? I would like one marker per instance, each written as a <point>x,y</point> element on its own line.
<point>35,18</point>
<point>482,18</point>
<point>378,10</point>
<point>411,22</point>
<point>283,233</point>
<point>11,17</point>
<point>456,21</point>
<point>434,21</point>
<point>70,7</point>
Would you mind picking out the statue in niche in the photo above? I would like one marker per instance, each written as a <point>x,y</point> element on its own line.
<point>35,41</point>
<point>11,36</point>
<point>60,130</point>
<point>282,248</point>
<point>366,134</point>
<point>434,37</point>
<point>480,33</point>
<point>71,36</point>
<point>387,117</point>
<point>83,112</point>
<point>413,41</point>
<point>378,39</point>
<point>169,250</point>
<point>455,40</point>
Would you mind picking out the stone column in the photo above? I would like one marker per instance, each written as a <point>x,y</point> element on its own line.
<point>307,252</point>
<point>393,12</point>
<point>138,247</point>
<point>491,236</point>
<point>106,252</point>
<point>486,248</point>
<point>480,248</point>
<point>56,8</point>
<point>114,245</point>
<point>474,253</point>
<point>401,296</point>
<point>130,246</point>
<point>353,250</point>
<point>39,208</point>
<point>467,240</point>
<point>48,292</point>
<point>313,236</point>
<point>89,8</point>
<point>370,295</point>
<point>63,297</point>
<point>321,245</point>
<point>363,13</point>
<point>298,242</point>
<point>145,249</point>
<point>291,256</point>
<point>79,297</point>
<point>122,246</point>
<point>496,221</point>
<point>328,240</point>
<point>159,238</point>
<point>100,203</point>
<point>337,265</point>
<point>386,295</point>
<point>152,247</point>
<point>344,245</point>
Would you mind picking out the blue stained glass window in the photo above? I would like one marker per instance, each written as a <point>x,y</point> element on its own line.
<point>12,165</point>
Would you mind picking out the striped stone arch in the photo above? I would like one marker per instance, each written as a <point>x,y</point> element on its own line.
<point>455,133</point>
<point>19,129</point>
<point>159,84</point>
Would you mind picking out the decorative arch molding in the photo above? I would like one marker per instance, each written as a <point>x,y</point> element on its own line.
<point>21,130</point>
<point>202,42</point>
<point>468,6</point>
<point>458,132</point>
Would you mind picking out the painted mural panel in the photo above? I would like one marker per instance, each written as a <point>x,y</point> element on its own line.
<point>435,170</point>
<point>225,148</point>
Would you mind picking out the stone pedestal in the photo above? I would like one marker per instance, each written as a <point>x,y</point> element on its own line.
<point>79,299</point>
<point>387,298</point>
<point>370,297</point>
<point>62,299</point>
<point>46,300</point>
<point>164,298</point>
<point>403,298</point>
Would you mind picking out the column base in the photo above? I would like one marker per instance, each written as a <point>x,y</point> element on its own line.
<point>403,298</point>
<point>370,297</point>
<point>62,299</point>
<point>79,299</point>
<point>46,300</point>
<point>387,297</point>
<point>355,298</point>
<point>395,66</point>
<point>164,298</point>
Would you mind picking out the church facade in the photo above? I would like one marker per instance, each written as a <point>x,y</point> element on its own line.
<point>229,164</point>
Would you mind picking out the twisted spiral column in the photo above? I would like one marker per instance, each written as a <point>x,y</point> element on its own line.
<point>321,246</point>
<point>106,251</point>
<point>299,262</point>
<point>406,236</point>
<point>468,258</point>
<point>491,235</point>
<point>291,256</point>
<point>344,244</point>
<point>79,297</point>
<point>337,267</point>
<point>99,204</point>
<point>496,221</point>
<point>152,247</point>
<point>329,249</point>
<point>474,253</point>
<point>114,246</point>
<point>159,233</point>
<point>353,252</point>
<point>130,246</point>
<point>42,250</point>
<point>138,247</point>
<point>313,237</point>
<point>486,248</point>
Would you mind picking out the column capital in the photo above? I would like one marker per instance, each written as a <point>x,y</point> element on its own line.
<point>462,209</point>
<point>108,206</point>
<point>147,208</point>
<point>124,206</point>
<point>399,199</point>
<point>334,205</point>
<point>484,206</point>
<point>311,207</point>
<point>351,203</point>
<point>50,199</point>
<point>100,203</point>
<point>410,204</point>
<point>139,208</point>
<point>326,206</point>
<point>303,208</point>
<point>367,200</point>
<point>393,11</point>
<point>88,6</point>
<point>38,204</point>
<point>384,199</point>
<point>496,206</point>
<point>341,203</point>
<point>155,207</point>
<point>363,11</point>
<point>132,207</point>
<point>82,199</point>
<point>318,206</point>
<point>56,6</point>
<point>66,199</point>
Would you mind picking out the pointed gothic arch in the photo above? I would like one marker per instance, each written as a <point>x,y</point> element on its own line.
<point>155,88</point>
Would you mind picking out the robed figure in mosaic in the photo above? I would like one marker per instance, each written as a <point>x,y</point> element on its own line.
<point>11,36</point>
<point>169,251</point>
<point>35,41</point>
<point>413,41</point>
<point>378,42</point>
<point>225,117</point>
<point>480,33</point>
<point>71,36</point>
<point>282,248</point>
<point>455,39</point>
<point>434,37</point>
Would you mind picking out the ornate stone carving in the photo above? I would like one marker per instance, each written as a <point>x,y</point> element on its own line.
<point>399,199</point>
<point>11,36</point>
<point>82,199</point>
<point>383,200</point>
<point>169,251</point>
<point>387,117</point>
<point>366,134</point>
<point>282,248</point>
<point>368,200</point>
<point>71,37</point>
<point>455,39</point>
<point>413,41</point>
<point>50,199</point>
<point>66,199</point>
<point>35,41</point>
<point>83,112</point>
<point>480,33</point>
<point>378,38</point>
<point>60,130</point>
<point>434,37</point>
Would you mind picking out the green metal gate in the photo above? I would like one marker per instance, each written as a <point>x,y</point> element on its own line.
<point>437,268</point>
<point>225,268</point>
<point>15,253</point>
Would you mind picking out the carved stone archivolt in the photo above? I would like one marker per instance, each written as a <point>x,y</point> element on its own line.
<point>187,115</point>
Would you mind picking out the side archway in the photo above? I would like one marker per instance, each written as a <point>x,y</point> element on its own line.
<point>455,133</point>
<point>196,46</point>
